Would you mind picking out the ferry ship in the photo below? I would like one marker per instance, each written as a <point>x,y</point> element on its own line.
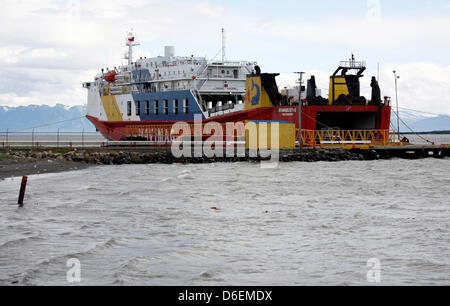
<point>137,100</point>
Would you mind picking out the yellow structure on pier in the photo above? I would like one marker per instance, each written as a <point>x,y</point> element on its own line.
<point>269,135</point>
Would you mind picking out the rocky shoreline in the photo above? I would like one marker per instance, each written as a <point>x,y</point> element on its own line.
<point>16,167</point>
<point>20,162</point>
<point>165,157</point>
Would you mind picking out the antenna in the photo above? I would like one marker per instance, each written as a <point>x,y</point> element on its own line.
<point>378,73</point>
<point>223,46</point>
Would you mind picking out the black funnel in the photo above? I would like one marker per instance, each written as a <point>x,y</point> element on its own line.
<point>311,88</point>
<point>376,92</point>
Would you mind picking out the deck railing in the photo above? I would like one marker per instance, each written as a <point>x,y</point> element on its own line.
<point>330,138</point>
<point>169,132</point>
<point>353,64</point>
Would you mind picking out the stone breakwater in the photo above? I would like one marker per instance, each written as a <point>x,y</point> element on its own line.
<point>106,157</point>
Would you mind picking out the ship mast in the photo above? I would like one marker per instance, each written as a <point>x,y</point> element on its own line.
<point>223,46</point>
<point>130,43</point>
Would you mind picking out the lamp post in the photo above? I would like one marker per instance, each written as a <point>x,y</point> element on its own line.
<point>300,80</point>
<point>396,98</point>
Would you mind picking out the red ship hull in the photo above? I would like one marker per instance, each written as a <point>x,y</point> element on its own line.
<point>314,117</point>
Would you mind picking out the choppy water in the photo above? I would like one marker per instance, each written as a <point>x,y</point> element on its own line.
<point>423,138</point>
<point>300,224</point>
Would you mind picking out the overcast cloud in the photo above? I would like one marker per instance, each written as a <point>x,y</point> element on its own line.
<point>48,48</point>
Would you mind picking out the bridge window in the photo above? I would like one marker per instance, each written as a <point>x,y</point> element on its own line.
<point>185,106</point>
<point>129,108</point>
<point>175,106</point>
<point>138,108</point>
<point>156,105</point>
<point>147,107</point>
<point>166,107</point>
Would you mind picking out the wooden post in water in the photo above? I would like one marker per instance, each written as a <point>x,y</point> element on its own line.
<point>23,187</point>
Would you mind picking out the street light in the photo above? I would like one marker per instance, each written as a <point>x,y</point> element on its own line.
<point>396,98</point>
<point>300,81</point>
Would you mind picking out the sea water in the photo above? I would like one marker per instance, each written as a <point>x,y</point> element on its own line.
<point>231,224</point>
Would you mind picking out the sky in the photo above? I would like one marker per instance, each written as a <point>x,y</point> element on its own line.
<point>49,47</point>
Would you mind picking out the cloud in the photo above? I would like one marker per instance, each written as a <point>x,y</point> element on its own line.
<point>422,86</point>
<point>23,86</point>
<point>50,47</point>
<point>209,10</point>
<point>394,32</point>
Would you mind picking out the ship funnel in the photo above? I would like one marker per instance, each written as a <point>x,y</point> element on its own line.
<point>261,90</point>
<point>169,51</point>
<point>376,92</point>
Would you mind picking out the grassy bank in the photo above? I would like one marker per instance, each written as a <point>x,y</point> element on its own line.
<point>4,156</point>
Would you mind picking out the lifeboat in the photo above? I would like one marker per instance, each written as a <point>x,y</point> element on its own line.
<point>110,77</point>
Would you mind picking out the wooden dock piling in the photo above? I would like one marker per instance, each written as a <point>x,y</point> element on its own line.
<point>23,187</point>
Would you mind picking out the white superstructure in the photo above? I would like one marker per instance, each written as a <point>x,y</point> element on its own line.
<point>214,84</point>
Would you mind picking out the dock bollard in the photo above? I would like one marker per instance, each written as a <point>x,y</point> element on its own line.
<point>23,187</point>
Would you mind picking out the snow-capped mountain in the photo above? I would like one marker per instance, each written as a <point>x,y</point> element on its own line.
<point>44,118</point>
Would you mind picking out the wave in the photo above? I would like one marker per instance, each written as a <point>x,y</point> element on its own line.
<point>31,274</point>
<point>20,241</point>
<point>185,177</point>
<point>135,270</point>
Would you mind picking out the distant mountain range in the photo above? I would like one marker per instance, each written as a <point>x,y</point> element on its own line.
<point>440,123</point>
<point>421,123</point>
<point>45,118</point>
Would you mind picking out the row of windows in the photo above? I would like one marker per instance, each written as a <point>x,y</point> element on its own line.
<point>145,106</point>
<point>169,73</point>
<point>175,63</point>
